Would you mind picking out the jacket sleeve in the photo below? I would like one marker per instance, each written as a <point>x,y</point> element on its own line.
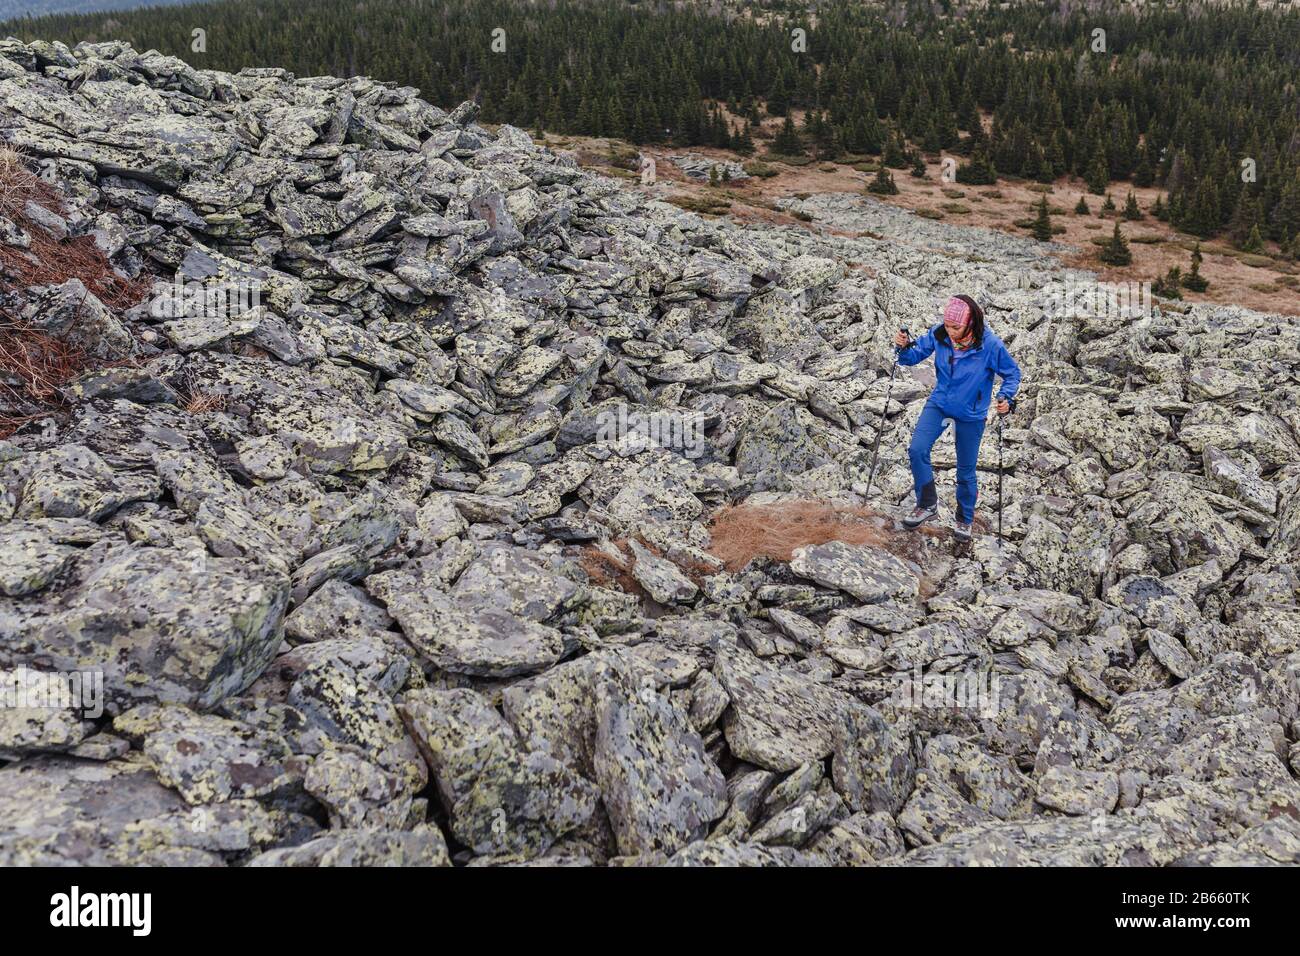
<point>1006,367</point>
<point>920,349</point>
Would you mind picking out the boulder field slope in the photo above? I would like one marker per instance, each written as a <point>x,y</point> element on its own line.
<point>328,553</point>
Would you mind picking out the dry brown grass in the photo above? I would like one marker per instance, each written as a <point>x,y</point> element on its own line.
<point>19,184</point>
<point>34,366</point>
<point>744,532</point>
<point>42,363</point>
<point>200,402</point>
<point>611,565</point>
<point>607,571</point>
<point>51,261</point>
<point>741,533</point>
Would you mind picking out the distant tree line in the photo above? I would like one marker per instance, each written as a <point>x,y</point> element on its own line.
<point>1200,100</point>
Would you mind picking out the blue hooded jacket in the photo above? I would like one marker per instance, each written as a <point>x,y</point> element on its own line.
<point>964,386</point>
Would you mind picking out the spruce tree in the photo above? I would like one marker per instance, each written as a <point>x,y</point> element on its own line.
<point>778,100</point>
<point>1245,216</point>
<point>1116,252</point>
<point>980,171</point>
<point>1131,211</point>
<point>1284,217</point>
<point>1098,174</point>
<point>1169,287</point>
<point>1193,280</point>
<point>895,155</point>
<point>745,144</point>
<point>1107,207</point>
<point>788,141</point>
<point>883,183</point>
<point>1043,224</point>
<point>1144,175</point>
<point>1081,207</point>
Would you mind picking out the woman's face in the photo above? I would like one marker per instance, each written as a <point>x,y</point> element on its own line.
<point>956,329</point>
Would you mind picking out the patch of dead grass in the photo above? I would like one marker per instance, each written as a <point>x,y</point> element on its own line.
<point>740,533</point>
<point>607,571</point>
<point>610,565</point>
<point>201,402</point>
<point>51,260</point>
<point>34,366</point>
<point>744,532</point>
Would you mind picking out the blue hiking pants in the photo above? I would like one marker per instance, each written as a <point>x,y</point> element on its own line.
<point>967,436</point>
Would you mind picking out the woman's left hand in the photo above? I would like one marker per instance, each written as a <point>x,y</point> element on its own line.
<point>1003,406</point>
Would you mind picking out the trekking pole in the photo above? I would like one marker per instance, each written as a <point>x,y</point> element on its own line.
<point>999,476</point>
<point>880,428</point>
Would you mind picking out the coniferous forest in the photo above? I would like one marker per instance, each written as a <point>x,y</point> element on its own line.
<point>1199,99</point>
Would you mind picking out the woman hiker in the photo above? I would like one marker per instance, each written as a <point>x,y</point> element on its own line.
<point>967,356</point>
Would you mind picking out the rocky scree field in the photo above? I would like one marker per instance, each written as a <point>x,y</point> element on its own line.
<point>369,581</point>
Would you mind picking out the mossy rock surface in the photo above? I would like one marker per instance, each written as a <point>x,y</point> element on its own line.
<point>789,160</point>
<point>705,205</point>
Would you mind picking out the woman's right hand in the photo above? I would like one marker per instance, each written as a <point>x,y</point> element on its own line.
<point>901,340</point>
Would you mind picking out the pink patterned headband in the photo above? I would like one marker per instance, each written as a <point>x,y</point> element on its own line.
<point>957,313</point>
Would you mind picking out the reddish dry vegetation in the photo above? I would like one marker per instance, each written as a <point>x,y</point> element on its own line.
<point>34,365</point>
<point>50,260</point>
<point>611,566</point>
<point>40,363</point>
<point>741,533</point>
<point>607,571</point>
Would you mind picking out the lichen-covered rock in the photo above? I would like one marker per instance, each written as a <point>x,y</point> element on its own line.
<point>355,713</point>
<point>29,559</point>
<point>65,811</point>
<point>1078,792</point>
<point>502,797</point>
<point>659,787</point>
<point>423,846</point>
<point>662,579</point>
<point>163,625</point>
<point>73,312</point>
<point>41,729</point>
<point>778,719</point>
<point>467,634</point>
<point>360,794</point>
<point>868,574</point>
<point>205,758</point>
<point>873,766</point>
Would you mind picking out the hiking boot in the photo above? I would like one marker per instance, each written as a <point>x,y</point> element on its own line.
<point>919,515</point>
<point>961,530</point>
